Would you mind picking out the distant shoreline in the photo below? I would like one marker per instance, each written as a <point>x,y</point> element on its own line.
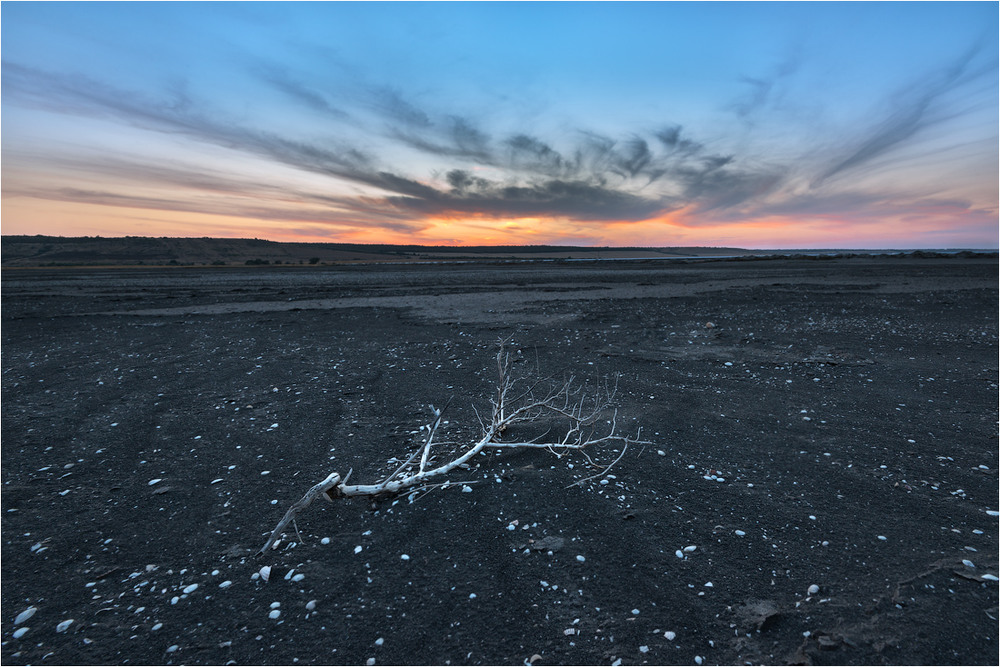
<point>155,252</point>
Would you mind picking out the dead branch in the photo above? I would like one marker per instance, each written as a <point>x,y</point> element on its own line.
<point>517,401</point>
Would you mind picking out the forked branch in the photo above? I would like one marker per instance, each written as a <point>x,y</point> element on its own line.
<point>516,402</point>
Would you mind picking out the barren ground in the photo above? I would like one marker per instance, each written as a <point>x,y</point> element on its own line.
<point>812,422</point>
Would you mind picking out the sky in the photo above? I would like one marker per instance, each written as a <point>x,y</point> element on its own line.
<point>756,125</point>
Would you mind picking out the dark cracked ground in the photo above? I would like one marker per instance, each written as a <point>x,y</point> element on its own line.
<point>819,483</point>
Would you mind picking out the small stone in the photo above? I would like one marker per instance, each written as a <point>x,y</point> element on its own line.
<point>690,549</point>
<point>883,538</point>
<point>679,553</point>
<point>154,481</point>
<point>311,605</point>
<point>156,627</point>
<point>698,659</point>
<point>358,549</point>
<point>25,615</point>
<point>740,533</point>
<point>379,641</point>
<point>813,590</point>
<point>275,613</point>
<point>64,626</point>
<point>325,540</point>
<point>465,489</point>
<point>405,557</point>
<point>635,612</point>
<point>172,649</point>
<point>371,661</point>
<point>968,563</point>
<point>226,584</point>
<point>299,577</point>
<point>190,589</point>
<point>581,558</point>
<point>670,635</point>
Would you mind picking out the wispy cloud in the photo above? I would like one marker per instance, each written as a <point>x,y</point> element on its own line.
<point>912,110</point>
<point>581,175</point>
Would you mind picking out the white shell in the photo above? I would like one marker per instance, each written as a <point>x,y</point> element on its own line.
<point>813,590</point>
<point>265,572</point>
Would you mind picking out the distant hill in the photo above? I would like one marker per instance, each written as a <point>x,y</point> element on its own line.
<point>26,251</point>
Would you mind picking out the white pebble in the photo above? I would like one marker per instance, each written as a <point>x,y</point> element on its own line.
<point>740,533</point>
<point>472,596</point>
<point>357,549</point>
<point>581,558</point>
<point>265,572</point>
<point>299,577</point>
<point>379,641</point>
<point>690,548</point>
<point>156,627</point>
<point>465,489</point>
<point>20,632</point>
<point>155,481</point>
<point>661,452</point>
<point>645,649</point>
<point>679,553</point>
<point>968,563</point>
<point>225,584</point>
<point>883,538</point>
<point>25,615</point>
<point>990,577</point>
<point>172,649</point>
<point>405,557</point>
<point>371,661</point>
<point>325,540</point>
<point>275,613</point>
<point>813,590</point>
<point>698,659</point>
<point>669,635</point>
<point>311,605</point>
<point>275,605</point>
<point>64,626</point>
<point>190,589</point>
<point>635,612</point>
<point>709,584</point>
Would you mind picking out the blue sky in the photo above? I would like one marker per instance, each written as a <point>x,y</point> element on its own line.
<point>750,124</point>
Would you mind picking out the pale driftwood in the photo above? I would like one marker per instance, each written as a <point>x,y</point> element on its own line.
<point>511,406</point>
<point>323,487</point>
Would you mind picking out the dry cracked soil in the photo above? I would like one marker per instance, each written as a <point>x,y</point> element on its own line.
<point>817,485</point>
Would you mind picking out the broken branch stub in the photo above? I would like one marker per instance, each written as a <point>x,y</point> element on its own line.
<point>516,402</point>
